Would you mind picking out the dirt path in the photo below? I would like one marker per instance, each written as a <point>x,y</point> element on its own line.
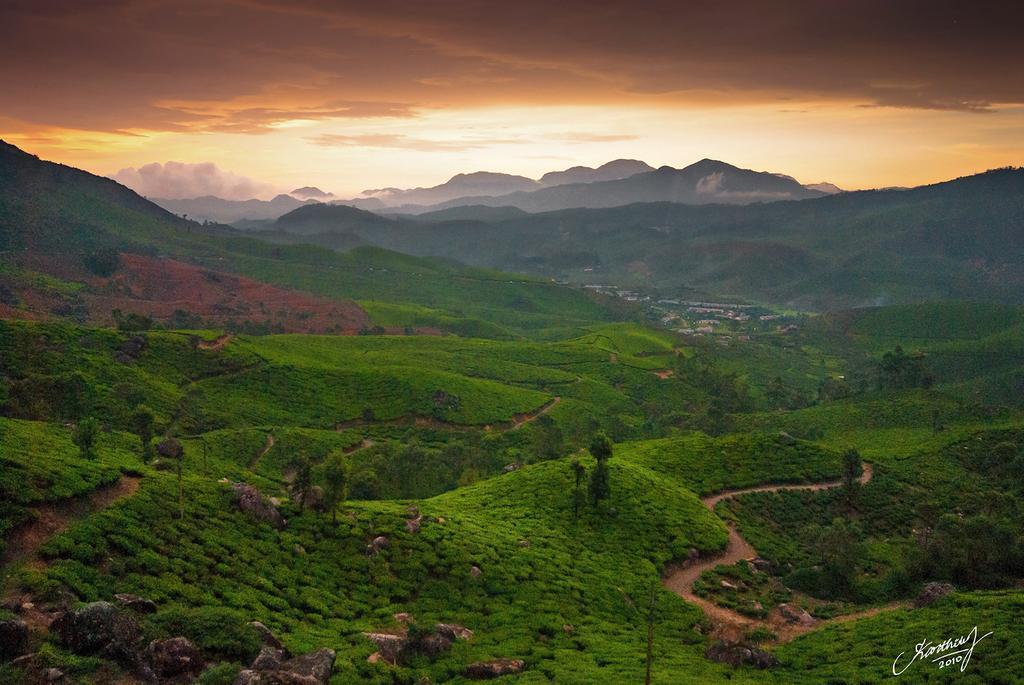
<point>217,343</point>
<point>520,419</point>
<point>23,543</point>
<point>731,624</point>
<point>263,451</point>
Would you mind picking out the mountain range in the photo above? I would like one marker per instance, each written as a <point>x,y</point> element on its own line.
<point>961,239</point>
<point>619,182</point>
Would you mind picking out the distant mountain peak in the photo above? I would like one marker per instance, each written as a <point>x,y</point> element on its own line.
<point>310,193</point>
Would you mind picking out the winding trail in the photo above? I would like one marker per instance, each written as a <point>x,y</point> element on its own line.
<point>51,518</point>
<point>729,624</point>
<point>217,343</point>
<point>263,450</point>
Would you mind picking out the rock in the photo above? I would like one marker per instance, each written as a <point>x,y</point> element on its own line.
<point>693,554</point>
<point>266,635</point>
<point>453,631</point>
<point>758,606</point>
<point>298,549</point>
<point>568,629</point>
<point>390,647</point>
<point>509,468</point>
<point>412,511</point>
<point>413,525</point>
<point>314,668</point>
<point>761,564</point>
<point>786,439</point>
<point>174,657</point>
<point>169,448</point>
<point>377,544</point>
<point>269,659</point>
<point>13,638</point>
<point>932,592</point>
<point>740,654</point>
<point>139,605</point>
<point>130,349</point>
<point>403,617</point>
<point>475,572</point>
<point>53,675</point>
<point>101,629</point>
<point>793,615</point>
<point>524,543</point>
<point>253,503</point>
<point>484,670</point>
<point>726,585</point>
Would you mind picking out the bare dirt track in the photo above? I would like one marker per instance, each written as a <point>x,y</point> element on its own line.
<point>729,624</point>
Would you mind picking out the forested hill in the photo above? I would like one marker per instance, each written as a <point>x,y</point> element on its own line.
<point>961,239</point>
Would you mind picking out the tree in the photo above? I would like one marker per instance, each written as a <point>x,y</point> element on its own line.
<point>169,448</point>
<point>600,487</point>
<point>334,484</point>
<point>546,438</point>
<point>142,424</point>
<point>85,437</point>
<point>840,549</point>
<point>303,480</point>
<point>851,473</point>
<point>580,471</point>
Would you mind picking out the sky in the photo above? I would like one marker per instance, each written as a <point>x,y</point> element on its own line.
<point>247,98</point>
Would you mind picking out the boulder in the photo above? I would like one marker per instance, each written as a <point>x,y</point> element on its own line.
<point>793,615</point>
<point>413,525</point>
<point>174,657</point>
<point>403,617</point>
<point>693,554</point>
<point>726,585</point>
<point>269,659</point>
<point>453,631</point>
<point>377,544</point>
<point>389,647</point>
<point>13,638</point>
<point>475,572</point>
<point>98,628</point>
<point>760,564</point>
<point>139,605</point>
<point>932,592</point>
<point>314,668</point>
<point>740,654</point>
<point>484,670</point>
<point>256,505</point>
<point>524,543</point>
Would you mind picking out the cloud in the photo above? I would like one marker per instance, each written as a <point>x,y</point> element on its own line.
<point>403,142</point>
<point>178,180</point>
<point>592,137</point>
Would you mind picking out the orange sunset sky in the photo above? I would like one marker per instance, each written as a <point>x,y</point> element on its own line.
<point>355,95</point>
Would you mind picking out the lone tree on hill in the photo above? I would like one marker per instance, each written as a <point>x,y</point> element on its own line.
<point>142,424</point>
<point>85,437</point>
<point>334,484</point>
<point>169,448</point>
<point>600,487</point>
<point>851,473</point>
<point>580,471</point>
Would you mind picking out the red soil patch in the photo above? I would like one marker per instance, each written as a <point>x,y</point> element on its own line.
<point>158,288</point>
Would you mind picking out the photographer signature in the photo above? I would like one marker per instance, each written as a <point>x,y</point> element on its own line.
<point>950,652</point>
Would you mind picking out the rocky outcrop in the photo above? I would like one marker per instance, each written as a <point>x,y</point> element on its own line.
<point>932,592</point>
<point>174,657</point>
<point>13,638</point>
<point>394,648</point>
<point>98,628</point>
<point>740,654</point>
<point>792,615</point>
<point>266,635</point>
<point>314,668</point>
<point>485,670</point>
<point>257,506</point>
<point>139,605</point>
